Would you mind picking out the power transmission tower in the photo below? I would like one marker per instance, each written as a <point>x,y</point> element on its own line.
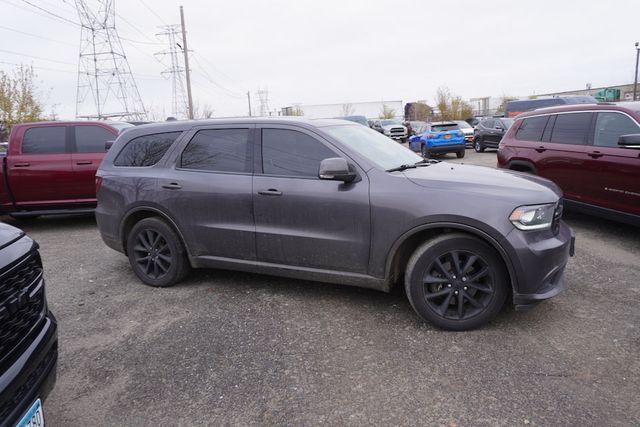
<point>263,98</point>
<point>106,87</point>
<point>175,71</point>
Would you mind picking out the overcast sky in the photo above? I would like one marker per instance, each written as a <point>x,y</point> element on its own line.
<point>341,51</point>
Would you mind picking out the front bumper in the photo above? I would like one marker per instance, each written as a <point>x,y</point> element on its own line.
<point>468,139</point>
<point>31,376</point>
<point>542,261</point>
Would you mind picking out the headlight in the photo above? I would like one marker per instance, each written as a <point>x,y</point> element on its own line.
<point>534,217</point>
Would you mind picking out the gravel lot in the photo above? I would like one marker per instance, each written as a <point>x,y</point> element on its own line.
<point>237,348</point>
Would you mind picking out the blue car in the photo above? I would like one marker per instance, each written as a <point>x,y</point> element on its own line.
<point>439,138</point>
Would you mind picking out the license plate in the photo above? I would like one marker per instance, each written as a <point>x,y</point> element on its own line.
<point>447,136</point>
<point>34,416</point>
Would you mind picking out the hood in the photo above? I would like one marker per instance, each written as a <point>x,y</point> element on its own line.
<point>8,234</point>
<point>467,131</point>
<point>518,187</point>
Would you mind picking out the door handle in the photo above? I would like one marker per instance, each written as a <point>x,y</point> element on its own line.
<point>541,149</point>
<point>270,192</point>
<point>21,165</point>
<point>595,154</point>
<point>84,162</point>
<point>172,186</point>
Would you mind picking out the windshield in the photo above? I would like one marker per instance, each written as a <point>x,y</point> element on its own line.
<point>507,123</point>
<point>389,122</point>
<point>374,146</point>
<point>444,127</point>
<point>463,125</point>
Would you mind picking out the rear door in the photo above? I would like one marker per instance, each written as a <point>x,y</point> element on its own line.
<point>88,150</point>
<point>39,166</point>
<point>209,191</point>
<point>563,152</point>
<point>302,220</point>
<point>613,177</point>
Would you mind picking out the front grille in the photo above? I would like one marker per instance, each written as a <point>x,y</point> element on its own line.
<point>396,131</point>
<point>557,216</point>
<point>21,303</point>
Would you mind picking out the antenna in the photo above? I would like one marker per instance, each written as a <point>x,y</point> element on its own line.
<point>106,87</point>
<point>176,71</point>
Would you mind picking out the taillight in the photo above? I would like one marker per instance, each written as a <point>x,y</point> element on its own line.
<point>98,183</point>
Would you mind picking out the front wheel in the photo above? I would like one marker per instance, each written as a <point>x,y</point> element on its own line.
<point>156,253</point>
<point>456,281</point>
<point>478,146</point>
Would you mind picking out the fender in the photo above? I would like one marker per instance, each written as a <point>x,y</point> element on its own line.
<point>468,225</point>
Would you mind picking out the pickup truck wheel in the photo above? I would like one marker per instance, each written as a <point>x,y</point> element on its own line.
<point>456,281</point>
<point>156,253</point>
<point>460,154</point>
<point>478,146</point>
<point>425,152</point>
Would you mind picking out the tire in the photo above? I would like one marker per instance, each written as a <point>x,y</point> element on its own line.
<point>433,292</point>
<point>478,146</point>
<point>156,253</point>
<point>460,154</point>
<point>425,152</point>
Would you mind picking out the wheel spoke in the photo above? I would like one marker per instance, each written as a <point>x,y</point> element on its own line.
<point>148,267</point>
<point>472,300</point>
<point>142,259</point>
<point>142,238</point>
<point>443,270</point>
<point>165,258</point>
<point>150,237</point>
<point>460,299</point>
<point>431,279</point>
<point>437,294</point>
<point>455,261</point>
<point>442,308</point>
<point>156,240</point>
<point>469,263</point>
<point>479,286</point>
<point>162,267</point>
<point>140,248</point>
<point>480,274</point>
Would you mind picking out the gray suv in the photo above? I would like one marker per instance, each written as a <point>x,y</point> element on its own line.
<point>331,201</point>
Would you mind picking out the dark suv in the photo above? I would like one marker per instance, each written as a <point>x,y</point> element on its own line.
<point>332,201</point>
<point>489,132</point>
<point>591,151</point>
<point>28,332</point>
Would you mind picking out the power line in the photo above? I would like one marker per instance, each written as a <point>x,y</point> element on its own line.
<point>153,11</point>
<point>206,75</point>
<point>50,13</point>
<point>214,68</point>
<point>40,68</point>
<point>36,36</point>
<point>30,10</point>
<point>33,56</point>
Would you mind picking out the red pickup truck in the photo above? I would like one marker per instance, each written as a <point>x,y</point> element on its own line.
<point>50,167</point>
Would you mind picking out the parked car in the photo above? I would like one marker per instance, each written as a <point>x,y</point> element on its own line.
<point>489,132</point>
<point>50,166</point>
<point>331,201</point>
<point>28,332</point>
<point>391,128</point>
<point>592,152</point>
<point>439,138</point>
<point>3,148</point>
<point>467,130</point>
<point>418,127</point>
<point>357,119</point>
<point>515,107</point>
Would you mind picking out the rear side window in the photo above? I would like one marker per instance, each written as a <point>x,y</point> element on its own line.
<point>571,128</point>
<point>45,140</point>
<point>292,153</point>
<point>92,139</point>
<point>488,123</point>
<point>531,129</point>
<point>610,126</point>
<point>145,150</point>
<point>218,150</point>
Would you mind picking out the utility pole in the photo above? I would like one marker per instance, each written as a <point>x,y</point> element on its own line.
<point>249,101</point>
<point>174,71</point>
<point>635,77</point>
<point>186,65</point>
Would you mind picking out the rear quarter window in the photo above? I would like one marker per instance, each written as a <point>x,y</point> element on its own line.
<point>145,150</point>
<point>531,129</point>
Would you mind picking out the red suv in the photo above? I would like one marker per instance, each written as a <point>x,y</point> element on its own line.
<point>591,151</point>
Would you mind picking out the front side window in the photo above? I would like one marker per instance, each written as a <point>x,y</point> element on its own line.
<point>531,129</point>
<point>610,126</point>
<point>571,128</point>
<point>488,123</point>
<point>45,140</point>
<point>92,139</point>
<point>145,150</point>
<point>218,150</point>
<point>292,153</point>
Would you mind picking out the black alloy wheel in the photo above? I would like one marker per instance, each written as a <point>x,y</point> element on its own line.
<point>477,145</point>
<point>152,253</point>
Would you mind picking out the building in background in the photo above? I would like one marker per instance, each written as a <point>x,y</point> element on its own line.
<point>370,110</point>
<point>486,105</point>
<point>607,93</point>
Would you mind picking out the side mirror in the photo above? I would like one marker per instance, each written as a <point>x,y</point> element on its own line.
<point>108,145</point>
<point>629,141</point>
<point>336,169</point>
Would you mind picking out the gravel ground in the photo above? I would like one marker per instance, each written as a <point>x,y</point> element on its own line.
<point>238,348</point>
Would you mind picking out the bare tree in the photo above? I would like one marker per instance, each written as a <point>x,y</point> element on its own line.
<point>452,107</point>
<point>296,111</point>
<point>202,112</point>
<point>387,112</point>
<point>348,110</point>
<point>19,101</point>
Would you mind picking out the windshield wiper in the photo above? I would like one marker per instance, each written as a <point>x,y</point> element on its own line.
<point>402,168</point>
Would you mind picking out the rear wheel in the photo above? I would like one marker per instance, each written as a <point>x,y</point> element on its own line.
<point>456,281</point>
<point>156,253</point>
<point>460,154</point>
<point>425,152</point>
<point>478,145</point>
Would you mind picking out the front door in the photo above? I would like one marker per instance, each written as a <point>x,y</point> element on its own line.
<point>39,167</point>
<point>209,191</point>
<point>88,150</point>
<point>300,219</point>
